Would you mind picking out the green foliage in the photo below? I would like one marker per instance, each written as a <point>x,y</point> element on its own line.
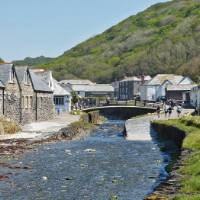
<point>190,170</point>
<point>162,39</point>
<point>74,97</point>
<point>33,61</point>
<point>9,127</point>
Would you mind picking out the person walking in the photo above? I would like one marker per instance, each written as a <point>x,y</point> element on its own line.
<point>165,109</point>
<point>169,111</point>
<point>178,110</point>
<point>158,111</point>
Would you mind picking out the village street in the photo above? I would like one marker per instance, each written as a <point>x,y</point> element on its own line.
<point>41,130</point>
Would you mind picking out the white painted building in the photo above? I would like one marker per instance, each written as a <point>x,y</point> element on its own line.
<point>156,87</point>
<point>195,97</point>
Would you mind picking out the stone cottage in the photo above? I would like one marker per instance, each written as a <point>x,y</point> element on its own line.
<point>43,98</point>
<point>27,95</point>
<point>24,97</point>
<point>11,105</point>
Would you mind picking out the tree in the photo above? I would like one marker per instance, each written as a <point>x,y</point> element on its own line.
<point>75,97</point>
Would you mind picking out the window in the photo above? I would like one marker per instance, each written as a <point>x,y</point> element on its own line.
<point>59,100</point>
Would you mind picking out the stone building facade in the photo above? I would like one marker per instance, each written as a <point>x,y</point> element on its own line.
<point>12,97</point>
<point>43,98</point>
<point>129,87</point>
<point>24,97</point>
<point>1,98</point>
<point>27,95</point>
<point>44,108</point>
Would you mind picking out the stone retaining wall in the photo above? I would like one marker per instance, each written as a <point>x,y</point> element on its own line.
<point>169,133</point>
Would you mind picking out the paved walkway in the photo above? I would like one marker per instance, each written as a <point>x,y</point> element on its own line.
<point>138,129</point>
<point>42,130</point>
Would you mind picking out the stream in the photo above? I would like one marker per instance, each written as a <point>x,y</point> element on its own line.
<point>102,166</point>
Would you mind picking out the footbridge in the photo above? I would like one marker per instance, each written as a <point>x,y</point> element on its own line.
<point>121,112</point>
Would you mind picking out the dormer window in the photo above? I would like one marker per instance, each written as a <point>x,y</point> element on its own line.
<point>11,76</point>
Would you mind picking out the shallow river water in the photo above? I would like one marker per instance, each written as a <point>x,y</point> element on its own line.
<point>101,166</point>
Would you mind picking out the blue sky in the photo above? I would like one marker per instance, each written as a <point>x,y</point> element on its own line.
<point>50,27</point>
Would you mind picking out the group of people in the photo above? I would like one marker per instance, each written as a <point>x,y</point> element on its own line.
<point>168,107</point>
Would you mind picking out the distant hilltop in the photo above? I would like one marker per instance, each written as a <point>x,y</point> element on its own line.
<point>164,38</point>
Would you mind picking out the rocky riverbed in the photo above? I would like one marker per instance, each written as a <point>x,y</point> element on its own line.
<point>101,166</point>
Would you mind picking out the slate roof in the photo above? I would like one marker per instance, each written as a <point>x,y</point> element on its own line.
<point>77,82</point>
<point>38,84</point>
<point>1,85</point>
<point>5,72</point>
<point>94,88</point>
<point>20,73</point>
<point>161,78</point>
<point>185,87</point>
<point>57,89</point>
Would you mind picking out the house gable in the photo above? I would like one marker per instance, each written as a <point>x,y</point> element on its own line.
<point>186,80</point>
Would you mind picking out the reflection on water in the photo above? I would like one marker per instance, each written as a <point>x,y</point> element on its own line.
<point>102,165</point>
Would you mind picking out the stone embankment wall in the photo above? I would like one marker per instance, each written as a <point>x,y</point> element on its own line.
<point>169,133</point>
<point>167,189</point>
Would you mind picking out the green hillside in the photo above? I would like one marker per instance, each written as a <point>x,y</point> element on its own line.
<point>33,61</point>
<point>165,38</point>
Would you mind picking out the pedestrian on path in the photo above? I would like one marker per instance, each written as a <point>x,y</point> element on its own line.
<point>158,111</point>
<point>169,111</point>
<point>166,107</point>
<point>178,110</point>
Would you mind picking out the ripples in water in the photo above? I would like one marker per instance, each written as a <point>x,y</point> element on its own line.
<point>96,168</point>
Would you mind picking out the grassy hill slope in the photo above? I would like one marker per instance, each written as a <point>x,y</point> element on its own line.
<point>33,61</point>
<point>165,38</point>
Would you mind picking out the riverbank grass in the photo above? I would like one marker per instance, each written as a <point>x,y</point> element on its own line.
<point>190,169</point>
<point>8,127</point>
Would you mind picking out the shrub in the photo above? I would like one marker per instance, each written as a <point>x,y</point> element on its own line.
<point>9,127</point>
